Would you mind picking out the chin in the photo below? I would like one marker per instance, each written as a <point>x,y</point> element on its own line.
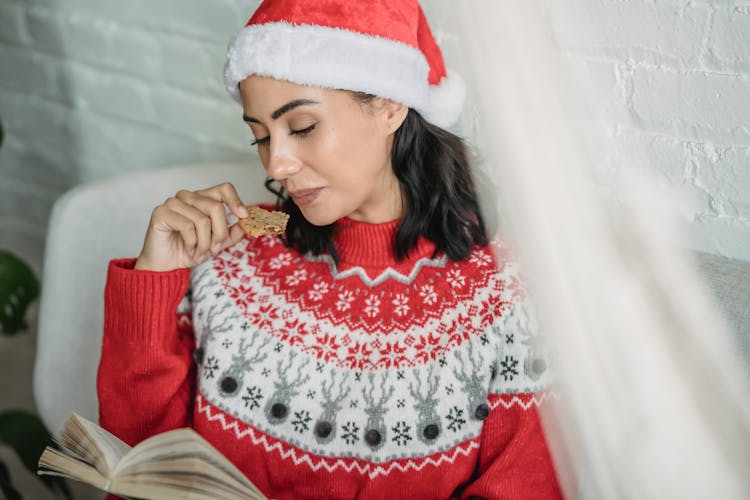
<point>319,217</point>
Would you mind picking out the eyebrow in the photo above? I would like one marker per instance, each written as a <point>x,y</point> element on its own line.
<point>283,109</point>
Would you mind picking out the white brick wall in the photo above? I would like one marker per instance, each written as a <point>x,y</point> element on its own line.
<point>676,80</point>
<point>94,88</point>
<point>90,89</point>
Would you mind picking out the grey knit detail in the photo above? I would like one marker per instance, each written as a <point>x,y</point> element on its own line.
<point>385,275</point>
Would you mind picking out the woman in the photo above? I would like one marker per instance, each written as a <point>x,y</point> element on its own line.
<point>378,350</point>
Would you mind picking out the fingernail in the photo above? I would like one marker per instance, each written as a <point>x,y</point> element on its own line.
<point>215,248</point>
<point>242,211</point>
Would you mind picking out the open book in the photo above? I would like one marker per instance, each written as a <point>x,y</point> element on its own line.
<point>177,464</point>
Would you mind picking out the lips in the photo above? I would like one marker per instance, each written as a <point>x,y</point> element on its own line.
<point>305,197</point>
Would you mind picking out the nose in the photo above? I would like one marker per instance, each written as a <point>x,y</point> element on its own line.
<point>282,162</point>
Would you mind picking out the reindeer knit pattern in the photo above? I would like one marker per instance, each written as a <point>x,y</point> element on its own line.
<point>370,378</point>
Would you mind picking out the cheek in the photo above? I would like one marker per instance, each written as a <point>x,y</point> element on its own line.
<point>354,151</point>
<point>263,156</point>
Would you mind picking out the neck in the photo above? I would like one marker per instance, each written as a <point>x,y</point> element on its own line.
<point>373,244</point>
<point>385,205</point>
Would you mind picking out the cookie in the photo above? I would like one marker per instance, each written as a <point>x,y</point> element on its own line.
<point>260,222</point>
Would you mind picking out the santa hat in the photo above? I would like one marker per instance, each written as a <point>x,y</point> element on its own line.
<point>381,47</point>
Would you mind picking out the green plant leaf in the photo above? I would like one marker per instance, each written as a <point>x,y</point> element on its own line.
<point>27,436</point>
<point>18,289</point>
<point>8,490</point>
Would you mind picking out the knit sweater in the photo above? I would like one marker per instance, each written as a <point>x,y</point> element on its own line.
<point>370,378</point>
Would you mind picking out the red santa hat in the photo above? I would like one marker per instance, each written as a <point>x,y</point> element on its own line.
<point>381,47</point>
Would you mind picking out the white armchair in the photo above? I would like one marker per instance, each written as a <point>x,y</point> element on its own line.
<point>90,225</point>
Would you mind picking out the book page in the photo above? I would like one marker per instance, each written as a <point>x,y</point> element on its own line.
<point>56,463</point>
<point>180,443</point>
<point>190,472</point>
<point>158,489</point>
<point>175,464</point>
<point>93,444</point>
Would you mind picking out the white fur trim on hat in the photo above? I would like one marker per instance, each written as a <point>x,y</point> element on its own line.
<point>340,59</point>
<point>446,100</point>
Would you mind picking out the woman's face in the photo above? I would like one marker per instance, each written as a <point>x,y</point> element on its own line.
<point>331,153</point>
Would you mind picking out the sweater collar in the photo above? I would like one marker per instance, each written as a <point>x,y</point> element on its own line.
<point>363,244</point>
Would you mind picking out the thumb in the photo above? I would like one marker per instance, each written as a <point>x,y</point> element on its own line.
<point>236,234</point>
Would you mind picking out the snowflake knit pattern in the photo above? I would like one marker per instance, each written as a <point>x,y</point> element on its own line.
<point>370,378</point>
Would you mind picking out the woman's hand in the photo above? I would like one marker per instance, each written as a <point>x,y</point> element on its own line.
<point>189,227</point>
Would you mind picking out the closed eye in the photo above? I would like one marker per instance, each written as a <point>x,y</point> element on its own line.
<point>302,133</point>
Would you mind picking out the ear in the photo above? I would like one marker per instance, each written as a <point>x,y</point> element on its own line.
<point>393,114</point>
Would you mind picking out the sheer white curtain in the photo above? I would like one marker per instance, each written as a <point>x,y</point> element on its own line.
<point>652,402</point>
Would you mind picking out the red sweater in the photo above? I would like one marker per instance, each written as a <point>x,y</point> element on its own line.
<point>372,378</point>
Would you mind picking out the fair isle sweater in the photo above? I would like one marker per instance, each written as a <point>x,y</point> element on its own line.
<point>370,378</point>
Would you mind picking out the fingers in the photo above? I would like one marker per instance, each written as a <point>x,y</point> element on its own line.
<point>201,225</point>
<point>236,234</point>
<point>166,219</point>
<point>189,227</point>
<point>226,193</point>
<point>209,216</point>
<point>201,219</point>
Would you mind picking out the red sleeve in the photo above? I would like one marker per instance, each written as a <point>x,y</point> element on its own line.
<point>514,461</point>
<point>146,377</point>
